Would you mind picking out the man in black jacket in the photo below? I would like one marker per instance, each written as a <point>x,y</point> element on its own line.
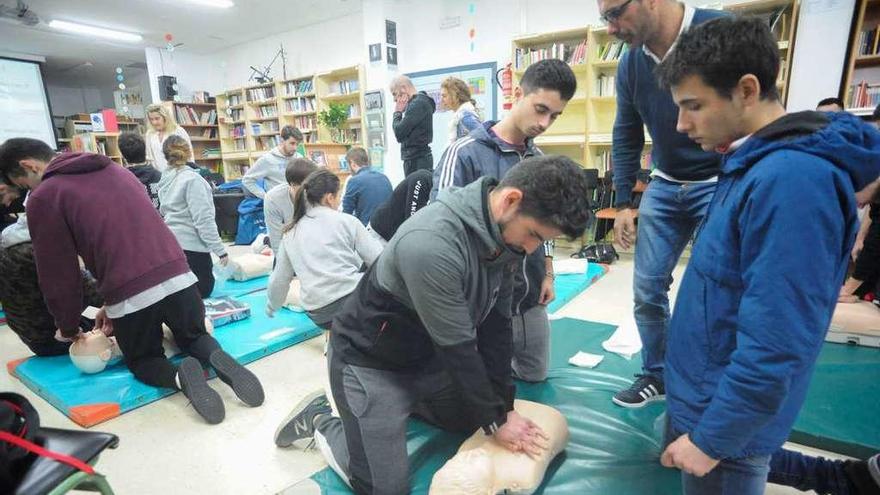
<point>413,125</point>
<point>133,150</point>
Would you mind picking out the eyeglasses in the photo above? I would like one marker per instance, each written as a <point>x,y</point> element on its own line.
<point>613,14</point>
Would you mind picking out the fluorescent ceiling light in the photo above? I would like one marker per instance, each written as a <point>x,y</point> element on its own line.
<point>73,27</point>
<point>220,4</point>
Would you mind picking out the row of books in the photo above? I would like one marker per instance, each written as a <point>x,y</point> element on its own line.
<point>309,136</point>
<point>189,116</point>
<point>354,111</point>
<point>305,122</point>
<point>239,145</point>
<point>868,41</point>
<point>211,152</point>
<point>864,95</point>
<point>345,87</point>
<point>260,94</point>
<point>351,135</point>
<point>296,88</point>
<point>573,54</point>
<point>299,105</point>
<point>266,127</point>
<point>605,85</point>
<point>234,100</point>
<point>237,131</point>
<point>237,114</point>
<point>266,143</point>
<point>610,51</point>
<point>210,133</point>
<point>267,111</point>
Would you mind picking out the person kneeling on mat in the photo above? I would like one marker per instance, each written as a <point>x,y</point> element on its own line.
<point>83,204</point>
<point>427,331</point>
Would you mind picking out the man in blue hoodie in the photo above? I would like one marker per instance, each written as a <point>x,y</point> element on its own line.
<point>762,284</point>
<point>366,189</point>
<point>684,176</point>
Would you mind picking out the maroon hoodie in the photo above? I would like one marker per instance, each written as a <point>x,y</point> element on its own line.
<point>88,205</point>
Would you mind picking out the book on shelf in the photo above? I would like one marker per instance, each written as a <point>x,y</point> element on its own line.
<point>237,131</point>
<point>266,143</point>
<point>234,100</point>
<point>300,104</point>
<point>867,41</point>
<point>236,114</point>
<point>189,116</point>
<point>319,157</point>
<point>211,152</point>
<point>305,122</point>
<point>573,54</point>
<point>260,94</point>
<point>268,111</point>
<point>612,50</point>
<point>200,97</point>
<point>864,95</point>
<point>345,87</point>
<point>296,88</point>
<point>351,135</point>
<point>354,111</point>
<point>310,136</point>
<point>605,85</point>
<point>266,127</point>
<point>239,145</point>
<point>209,133</point>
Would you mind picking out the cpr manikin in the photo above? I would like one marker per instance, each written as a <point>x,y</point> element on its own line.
<point>483,467</point>
<point>93,351</point>
<point>249,265</point>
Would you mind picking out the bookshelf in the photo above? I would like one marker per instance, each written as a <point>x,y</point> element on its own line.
<point>102,143</point>
<point>862,72</point>
<point>249,119</point>
<point>199,120</point>
<point>781,16</point>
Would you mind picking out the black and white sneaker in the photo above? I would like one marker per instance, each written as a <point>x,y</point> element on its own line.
<point>644,390</point>
<point>300,423</point>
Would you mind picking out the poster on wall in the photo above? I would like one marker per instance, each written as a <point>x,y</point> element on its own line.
<point>479,77</point>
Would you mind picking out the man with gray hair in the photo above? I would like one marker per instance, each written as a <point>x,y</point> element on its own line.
<point>413,125</point>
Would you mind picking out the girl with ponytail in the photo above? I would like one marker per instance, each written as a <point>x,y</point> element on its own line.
<point>322,246</point>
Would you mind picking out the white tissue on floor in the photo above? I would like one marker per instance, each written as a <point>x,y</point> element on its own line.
<point>585,359</point>
<point>625,341</point>
<point>568,266</point>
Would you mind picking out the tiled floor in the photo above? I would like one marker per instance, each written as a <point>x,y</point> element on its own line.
<point>166,448</point>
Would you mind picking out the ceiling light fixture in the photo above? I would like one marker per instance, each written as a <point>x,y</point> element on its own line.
<point>73,27</point>
<point>220,4</point>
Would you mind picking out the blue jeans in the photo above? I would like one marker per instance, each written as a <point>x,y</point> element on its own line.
<point>746,476</point>
<point>794,469</point>
<point>668,215</point>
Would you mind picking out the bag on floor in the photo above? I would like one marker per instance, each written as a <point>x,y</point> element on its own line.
<point>251,221</point>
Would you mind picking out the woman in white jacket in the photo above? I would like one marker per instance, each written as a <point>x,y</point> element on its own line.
<point>187,205</point>
<point>162,125</point>
<point>324,247</point>
<point>455,95</point>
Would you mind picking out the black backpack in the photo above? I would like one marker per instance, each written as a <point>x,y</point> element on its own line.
<point>19,430</point>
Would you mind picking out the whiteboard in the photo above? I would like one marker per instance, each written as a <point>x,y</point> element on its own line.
<point>481,79</point>
<point>24,107</point>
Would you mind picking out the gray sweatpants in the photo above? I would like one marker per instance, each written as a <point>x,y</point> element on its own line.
<point>531,344</point>
<point>367,442</point>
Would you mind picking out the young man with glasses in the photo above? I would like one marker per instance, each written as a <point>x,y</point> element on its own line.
<point>684,175</point>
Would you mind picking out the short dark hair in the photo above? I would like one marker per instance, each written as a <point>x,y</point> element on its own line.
<point>552,74</point>
<point>15,150</point>
<point>554,191</point>
<point>833,100</point>
<point>132,147</point>
<point>358,155</point>
<point>290,131</point>
<point>298,169</point>
<point>721,52</point>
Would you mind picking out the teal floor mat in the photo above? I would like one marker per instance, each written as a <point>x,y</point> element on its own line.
<point>569,286</point>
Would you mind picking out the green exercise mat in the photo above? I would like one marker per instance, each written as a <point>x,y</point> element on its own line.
<point>612,450</point>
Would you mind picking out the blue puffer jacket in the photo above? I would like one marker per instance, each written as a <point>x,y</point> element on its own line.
<point>758,294</point>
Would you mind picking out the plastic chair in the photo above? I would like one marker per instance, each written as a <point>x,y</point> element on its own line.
<point>49,477</point>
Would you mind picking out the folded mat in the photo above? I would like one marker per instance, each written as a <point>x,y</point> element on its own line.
<point>571,285</point>
<point>92,399</point>
<point>233,288</point>
<point>616,450</point>
<point>611,450</point>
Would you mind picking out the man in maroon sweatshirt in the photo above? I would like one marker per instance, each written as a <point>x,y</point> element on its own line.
<point>86,205</point>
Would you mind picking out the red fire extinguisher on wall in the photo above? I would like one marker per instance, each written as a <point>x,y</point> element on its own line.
<point>506,83</point>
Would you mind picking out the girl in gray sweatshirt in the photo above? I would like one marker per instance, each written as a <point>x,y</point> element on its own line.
<point>187,205</point>
<point>331,248</point>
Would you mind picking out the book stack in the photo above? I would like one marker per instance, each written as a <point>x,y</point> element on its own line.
<point>260,94</point>
<point>268,111</point>
<point>867,41</point>
<point>611,51</point>
<point>189,116</point>
<point>605,85</point>
<point>301,105</point>
<point>297,88</point>
<point>305,122</point>
<point>865,95</point>
<point>571,53</point>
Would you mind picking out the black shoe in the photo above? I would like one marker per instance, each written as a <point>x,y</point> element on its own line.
<point>300,423</point>
<point>244,383</point>
<point>645,389</point>
<point>864,475</point>
<point>205,400</point>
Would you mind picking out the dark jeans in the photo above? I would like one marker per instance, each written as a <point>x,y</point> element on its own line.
<point>425,162</point>
<point>139,335</point>
<point>867,267</point>
<point>203,268</point>
<point>803,472</point>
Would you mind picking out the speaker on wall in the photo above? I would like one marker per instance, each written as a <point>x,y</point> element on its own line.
<point>167,88</point>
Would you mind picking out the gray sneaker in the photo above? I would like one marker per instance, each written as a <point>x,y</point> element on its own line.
<point>300,423</point>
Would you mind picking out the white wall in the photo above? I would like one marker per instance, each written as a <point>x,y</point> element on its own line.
<point>70,100</point>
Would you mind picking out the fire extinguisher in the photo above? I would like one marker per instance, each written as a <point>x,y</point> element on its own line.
<point>506,83</point>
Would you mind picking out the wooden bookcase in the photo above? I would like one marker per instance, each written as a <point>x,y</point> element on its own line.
<point>863,63</point>
<point>250,118</point>
<point>782,16</point>
<point>103,143</point>
<point>199,120</point>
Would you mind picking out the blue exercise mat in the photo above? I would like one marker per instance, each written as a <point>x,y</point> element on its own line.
<point>234,288</point>
<point>570,286</point>
<point>91,399</point>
